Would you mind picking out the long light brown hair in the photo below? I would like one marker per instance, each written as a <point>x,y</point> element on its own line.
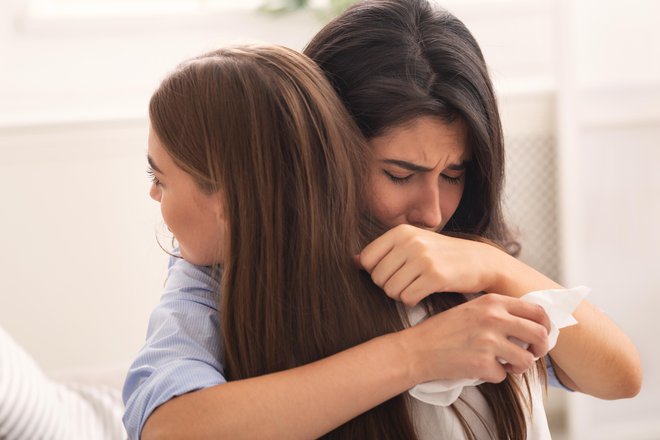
<point>263,126</point>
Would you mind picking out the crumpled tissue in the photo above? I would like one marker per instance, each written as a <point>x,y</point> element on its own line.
<point>558,304</point>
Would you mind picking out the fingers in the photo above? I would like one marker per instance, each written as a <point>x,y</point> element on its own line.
<point>522,326</point>
<point>490,370</point>
<point>416,290</point>
<point>387,261</point>
<point>529,311</point>
<point>400,283</point>
<point>531,333</point>
<point>375,251</point>
<point>507,354</point>
<point>481,338</point>
<point>532,325</point>
<point>388,266</point>
<point>515,357</point>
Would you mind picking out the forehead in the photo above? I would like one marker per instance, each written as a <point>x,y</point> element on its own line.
<point>426,140</point>
<point>153,143</point>
<point>156,150</point>
<point>160,159</point>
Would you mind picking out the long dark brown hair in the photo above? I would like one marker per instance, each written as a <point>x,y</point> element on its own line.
<point>391,61</point>
<point>263,126</point>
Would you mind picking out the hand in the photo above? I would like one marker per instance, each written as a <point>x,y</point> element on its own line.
<point>410,263</point>
<point>466,341</point>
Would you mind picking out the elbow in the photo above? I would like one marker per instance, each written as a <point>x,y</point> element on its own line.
<point>633,384</point>
<point>626,390</point>
<point>622,382</point>
<point>629,383</point>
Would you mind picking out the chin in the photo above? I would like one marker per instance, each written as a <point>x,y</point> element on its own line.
<point>198,259</point>
<point>191,257</point>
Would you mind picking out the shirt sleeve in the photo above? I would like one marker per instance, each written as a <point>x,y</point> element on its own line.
<point>553,381</point>
<point>183,350</point>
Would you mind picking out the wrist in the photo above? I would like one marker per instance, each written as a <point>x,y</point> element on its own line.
<point>497,270</point>
<point>515,278</point>
<point>407,356</point>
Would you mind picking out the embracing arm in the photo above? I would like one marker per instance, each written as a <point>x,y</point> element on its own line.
<point>181,356</point>
<point>311,400</point>
<point>303,402</point>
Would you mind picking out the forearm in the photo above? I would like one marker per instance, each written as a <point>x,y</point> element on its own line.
<point>512,277</point>
<point>303,402</point>
<point>594,356</point>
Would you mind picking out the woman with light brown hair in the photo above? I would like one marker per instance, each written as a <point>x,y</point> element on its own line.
<point>305,346</point>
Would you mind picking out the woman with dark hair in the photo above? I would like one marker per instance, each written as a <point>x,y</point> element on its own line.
<point>415,82</point>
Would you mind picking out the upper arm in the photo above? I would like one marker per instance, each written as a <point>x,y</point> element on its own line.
<point>183,349</point>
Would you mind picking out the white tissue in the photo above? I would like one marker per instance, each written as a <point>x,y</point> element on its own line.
<point>558,305</point>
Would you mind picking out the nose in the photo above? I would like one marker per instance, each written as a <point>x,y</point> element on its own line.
<point>154,192</point>
<point>425,211</point>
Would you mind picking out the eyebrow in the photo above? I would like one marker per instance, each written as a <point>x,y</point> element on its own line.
<point>415,167</point>
<point>153,165</point>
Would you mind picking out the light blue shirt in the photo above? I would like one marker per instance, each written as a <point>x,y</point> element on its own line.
<point>183,351</point>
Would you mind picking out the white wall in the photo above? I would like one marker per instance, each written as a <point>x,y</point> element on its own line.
<point>80,262</point>
<point>95,68</point>
<point>609,127</point>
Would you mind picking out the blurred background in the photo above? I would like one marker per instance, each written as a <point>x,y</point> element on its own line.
<point>578,83</point>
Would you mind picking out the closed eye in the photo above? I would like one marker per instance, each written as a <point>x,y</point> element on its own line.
<point>399,180</point>
<point>452,180</point>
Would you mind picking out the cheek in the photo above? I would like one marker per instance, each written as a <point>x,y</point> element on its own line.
<point>171,217</point>
<point>165,211</point>
<point>387,202</point>
<point>450,199</point>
